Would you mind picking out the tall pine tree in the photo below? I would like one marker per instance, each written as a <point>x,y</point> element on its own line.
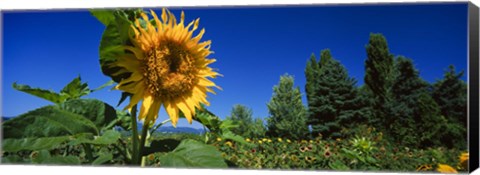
<point>413,116</point>
<point>379,75</point>
<point>287,113</point>
<point>451,95</point>
<point>333,98</point>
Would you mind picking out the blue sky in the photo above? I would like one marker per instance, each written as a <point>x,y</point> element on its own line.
<point>253,46</point>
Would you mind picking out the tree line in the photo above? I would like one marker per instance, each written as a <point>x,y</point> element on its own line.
<point>394,99</point>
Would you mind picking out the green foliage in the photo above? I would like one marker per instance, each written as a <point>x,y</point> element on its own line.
<point>287,113</point>
<point>247,126</point>
<point>242,115</point>
<point>47,121</point>
<point>44,157</point>
<point>73,90</point>
<point>48,143</point>
<point>191,153</point>
<point>451,95</point>
<point>333,98</point>
<point>379,74</point>
<point>413,116</point>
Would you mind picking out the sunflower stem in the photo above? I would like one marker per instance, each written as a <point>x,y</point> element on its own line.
<point>142,142</point>
<point>134,135</point>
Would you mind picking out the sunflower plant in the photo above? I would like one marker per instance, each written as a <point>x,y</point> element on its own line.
<point>157,61</point>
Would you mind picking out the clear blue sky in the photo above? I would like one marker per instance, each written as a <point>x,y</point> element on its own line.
<point>253,46</point>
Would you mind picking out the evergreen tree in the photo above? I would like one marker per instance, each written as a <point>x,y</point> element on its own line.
<point>242,115</point>
<point>257,130</point>
<point>379,75</point>
<point>451,95</point>
<point>287,113</point>
<point>333,101</point>
<point>311,71</point>
<point>413,114</point>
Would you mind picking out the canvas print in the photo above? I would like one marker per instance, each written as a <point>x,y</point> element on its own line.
<point>379,87</point>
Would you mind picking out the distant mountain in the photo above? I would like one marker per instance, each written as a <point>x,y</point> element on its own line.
<point>4,118</point>
<point>171,129</point>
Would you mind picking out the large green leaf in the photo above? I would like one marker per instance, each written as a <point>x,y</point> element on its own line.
<point>100,113</point>
<point>42,93</point>
<point>103,158</point>
<point>47,122</point>
<point>191,153</point>
<point>104,16</point>
<point>114,37</point>
<point>109,137</point>
<point>14,145</point>
<point>44,157</point>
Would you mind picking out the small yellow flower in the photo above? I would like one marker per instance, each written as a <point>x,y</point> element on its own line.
<point>269,141</point>
<point>230,144</point>
<point>311,141</point>
<point>443,168</point>
<point>260,142</point>
<point>289,141</point>
<point>338,139</point>
<point>219,139</point>
<point>264,139</point>
<point>294,158</point>
<point>247,139</point>
<point>304,141</point>
<point>280,139</point>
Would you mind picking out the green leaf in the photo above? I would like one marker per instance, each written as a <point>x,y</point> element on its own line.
<point>75,89</point>
<point>100,113</point>
<point>109,137</point>
<point>60,160</point>
<point>48,143</point>
<point>338,165</point>
<point>114,37</point>
<point>14,159</point>
<point>191,153</point>
<point>42,93</point>
<point>104,158</point>
<point>47,121</point>
<point>104,16</point>
<point>230,135</point>
<point>109,83</point>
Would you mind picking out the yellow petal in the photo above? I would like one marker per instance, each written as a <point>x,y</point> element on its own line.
<point>134,100</point>
<point>186,111</point>
<point>172,111</point>
<point>146,104</point>
<point>153,113</point>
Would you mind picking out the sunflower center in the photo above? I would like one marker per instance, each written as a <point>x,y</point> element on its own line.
<point>169,71</point>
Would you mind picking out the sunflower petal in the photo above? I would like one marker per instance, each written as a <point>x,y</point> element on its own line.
<point>146,104</point>
<point>172,112</point>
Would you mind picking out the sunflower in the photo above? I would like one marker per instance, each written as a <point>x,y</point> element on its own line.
<point>463,160</point>
<point>443,168</point>
<point>168,67</point>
